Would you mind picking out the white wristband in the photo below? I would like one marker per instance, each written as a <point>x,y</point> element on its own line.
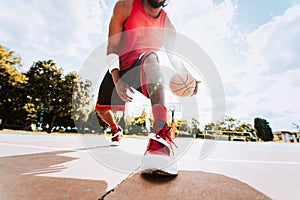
<point>112,61</point>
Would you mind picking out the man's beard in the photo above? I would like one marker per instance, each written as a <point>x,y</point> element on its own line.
<point>156,4</point>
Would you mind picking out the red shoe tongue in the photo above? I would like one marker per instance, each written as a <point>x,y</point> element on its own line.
<point>155,147</point>
<point>159,126</point>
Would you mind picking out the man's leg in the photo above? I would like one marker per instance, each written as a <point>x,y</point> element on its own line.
<point>158,157</point>
<point>102,107</point>
<point>108,117</point>
<point>155,89</point>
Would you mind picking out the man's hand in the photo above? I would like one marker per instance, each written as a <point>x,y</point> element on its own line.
<point>196,88</point>
<point>121,88</point>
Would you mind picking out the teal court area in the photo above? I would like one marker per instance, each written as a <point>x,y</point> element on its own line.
<point>47,166</point>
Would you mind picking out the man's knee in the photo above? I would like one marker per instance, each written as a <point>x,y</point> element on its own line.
<point>152,69</point>
<point>102,112</point>
<point>151,59</point>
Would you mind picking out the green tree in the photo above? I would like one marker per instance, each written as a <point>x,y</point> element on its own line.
<point>81,101</point>
<point>209,127</point>
<point>195,123</point>
<point>45,89</point>
<point>228,124</point>
<point>61,97</point>
<point>49,91</point>
<point>195,126</point>
<point>245,127</point>
<point>137,125</point>
<point>12,83</point>
<point>263,129</point>
<point>92,123</point>
<point>141,120</point>
<point>182,125</point>
<point>67,89</point>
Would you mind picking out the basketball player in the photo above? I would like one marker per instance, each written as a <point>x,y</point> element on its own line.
<point>134,37</point>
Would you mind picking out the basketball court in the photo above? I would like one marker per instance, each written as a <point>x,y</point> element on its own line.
<point>44,166</point>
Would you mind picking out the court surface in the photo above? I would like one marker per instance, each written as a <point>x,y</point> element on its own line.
<point>52,166</point>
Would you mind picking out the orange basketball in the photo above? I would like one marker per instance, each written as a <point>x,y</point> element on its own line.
<point>182,84</point>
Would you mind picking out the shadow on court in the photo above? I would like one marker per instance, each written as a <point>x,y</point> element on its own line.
<point>19,179</point>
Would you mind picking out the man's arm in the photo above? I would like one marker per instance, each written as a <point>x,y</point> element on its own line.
<point>169,44</point>
<point>121,12</point>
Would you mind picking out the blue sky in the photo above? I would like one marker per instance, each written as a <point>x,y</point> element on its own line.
<point>251,14</point>
<point>254,45</point>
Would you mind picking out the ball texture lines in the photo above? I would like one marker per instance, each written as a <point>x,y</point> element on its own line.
<point>182,84</point>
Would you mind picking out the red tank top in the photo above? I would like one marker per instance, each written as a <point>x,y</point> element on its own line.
<point>142,33</point>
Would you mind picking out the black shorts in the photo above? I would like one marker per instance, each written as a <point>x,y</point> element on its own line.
<point>108,98</point>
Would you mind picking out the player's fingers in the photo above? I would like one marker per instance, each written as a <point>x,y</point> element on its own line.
<point>128,92</point>
<point>122,95</point>
<point>126,97</point>
<point>131,90</point>
<point>195,91</point>
<point>196,87</point>
<point>122,92</point>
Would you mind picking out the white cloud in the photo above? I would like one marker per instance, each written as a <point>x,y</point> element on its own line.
<point>259,69</point>
<point>211,25</point>
<point>275,46</point>
<point>47,29</point>
<point>203,21</point>
<point>270,77</point>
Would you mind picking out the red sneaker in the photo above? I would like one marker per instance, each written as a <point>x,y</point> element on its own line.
<point>159,156</point>
<point>116,136</point>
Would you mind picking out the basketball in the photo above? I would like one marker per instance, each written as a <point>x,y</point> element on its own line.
<point>182,84</point>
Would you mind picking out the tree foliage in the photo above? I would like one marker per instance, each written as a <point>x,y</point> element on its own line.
<point>41,91</point>
<point>137,125</point>
<point>141,120</point>
<point>81,99</point>
<point>195,123</point>
<point>245,127</point>
<point>58,95</point>
<point>11,85</point>
<point>195,126</point>
<point>182,125</point>
<point>46,89</point>
<point>263,129</point>
<point>229,124</point>
<point>209,127</point>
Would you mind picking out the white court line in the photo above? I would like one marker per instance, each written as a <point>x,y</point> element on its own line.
<point>188,158</point>
<point>245,161</point>
<point>35,147</point>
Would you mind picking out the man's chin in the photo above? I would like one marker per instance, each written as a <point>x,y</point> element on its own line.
<point>156,3</point>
